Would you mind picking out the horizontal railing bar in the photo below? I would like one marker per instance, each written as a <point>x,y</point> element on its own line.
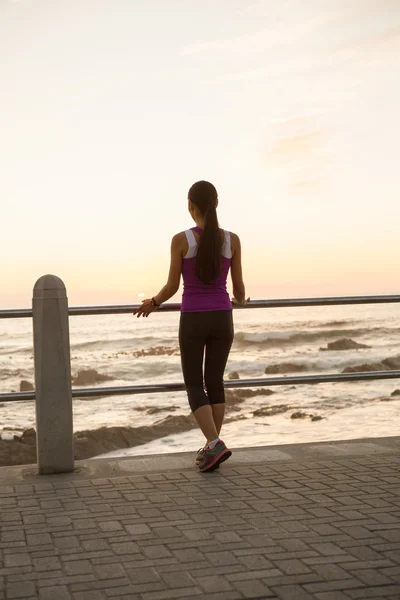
<point>173,307</point>
<point>228,384</point>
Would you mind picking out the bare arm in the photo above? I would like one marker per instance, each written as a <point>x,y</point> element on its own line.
<point>171,287</point>
<point>239,292</point>
<point>175,270</point>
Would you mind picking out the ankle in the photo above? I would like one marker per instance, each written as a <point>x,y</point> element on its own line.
<point>212,443</point>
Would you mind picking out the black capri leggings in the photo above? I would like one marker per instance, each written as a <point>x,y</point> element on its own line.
<point>212,331</point>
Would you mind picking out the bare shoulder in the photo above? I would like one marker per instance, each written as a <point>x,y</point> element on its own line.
<point>179,237</point>
<point>235,242</point>
<point>179,243</point>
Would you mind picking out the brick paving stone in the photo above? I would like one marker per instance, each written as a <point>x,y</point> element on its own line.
<point>17,560</point>
<point>392,572</point>
<point>337,584</point>
<point>55,592</point>
<point>292,592</point>
<point>109,571</point>
<point>331,572</point>
<point>167,532</point>
<point>379,592</point>
<point>332,596</point>
<point>138,529</point>
<point>93,545</point>
<point>110,526</point>
<point>227,595</point>
<point>89,595</point>
<point>35,539</point>
<point>172,594</point>
<point>291,567</point>
<point>227,536</point>
<point>178,580</point>
<point>124,548</point>
<point>222,558</point>
<point>213,583</point>
<point>157,551</point>
<point>20,589</point>
<point>372,577</point>
<point>139,575</point>
<point>78,567</point>
<point>256,562</point>
<point>12,536</point>
<point>253,589</point>
<point>48,563</point>
<point>198,534</point>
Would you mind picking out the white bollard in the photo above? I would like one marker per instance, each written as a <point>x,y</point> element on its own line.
<point>54,424</point>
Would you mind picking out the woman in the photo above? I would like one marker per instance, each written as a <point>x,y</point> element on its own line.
<point>203,255</point>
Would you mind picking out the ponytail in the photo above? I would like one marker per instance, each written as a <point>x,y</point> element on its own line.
<point>208,261</point>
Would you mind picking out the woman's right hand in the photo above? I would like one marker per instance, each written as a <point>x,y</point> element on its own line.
<point>145,308</point>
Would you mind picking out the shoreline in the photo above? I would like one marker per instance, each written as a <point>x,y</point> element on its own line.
<point>271,424</point>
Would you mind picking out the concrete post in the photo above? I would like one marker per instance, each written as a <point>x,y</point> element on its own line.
<point>54,425</point>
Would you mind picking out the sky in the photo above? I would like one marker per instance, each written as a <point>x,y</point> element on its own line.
<point>111,109</point>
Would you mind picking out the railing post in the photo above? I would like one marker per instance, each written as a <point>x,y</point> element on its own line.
<point>54,425</point>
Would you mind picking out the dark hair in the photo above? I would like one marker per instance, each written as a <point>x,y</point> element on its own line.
<point>208,262</point>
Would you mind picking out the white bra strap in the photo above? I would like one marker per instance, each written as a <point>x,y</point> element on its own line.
<point>226,249</point>
<point>191,240</point>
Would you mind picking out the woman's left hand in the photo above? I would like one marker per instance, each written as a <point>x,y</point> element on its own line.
<point>145,309</point>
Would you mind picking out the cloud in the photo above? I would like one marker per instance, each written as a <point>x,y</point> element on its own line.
<point>369,42</point>
<point>299,154</point>
<point>279,33</point>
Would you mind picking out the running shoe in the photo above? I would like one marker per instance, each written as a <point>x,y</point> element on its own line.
<point>200,458</point>
<point>212,458</point>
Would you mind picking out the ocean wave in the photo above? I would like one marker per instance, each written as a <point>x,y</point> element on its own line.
<point>9,373</point>
<point>129,343</point>
<point>270,339</point>
<point>8,350</point>
<point>387,364</point>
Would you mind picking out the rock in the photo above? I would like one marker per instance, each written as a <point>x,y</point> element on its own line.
<point>285,368</point>
<point>26,386</point>
<point>233,375</point>
<point>392,364</point>
<point>343,344</point>
<point>395,393</point>
<point>157,409</point>
<point>13,452</point>
<point>89,377</point>
<point>316,418</point>
<point>271,411</point>
<point>29,437</point>
<point>242,394</point>
<point>154,351</point>
<point>365,367</point>
<point>388,364</point>
<point>298,415</point>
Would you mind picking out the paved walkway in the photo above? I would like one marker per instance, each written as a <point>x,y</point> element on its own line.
<point>302,522</point>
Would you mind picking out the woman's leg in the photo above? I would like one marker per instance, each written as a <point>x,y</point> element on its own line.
<point>192,336</point>
<point>218,346</point>
<point>205,420</point>
<point>218,411</point>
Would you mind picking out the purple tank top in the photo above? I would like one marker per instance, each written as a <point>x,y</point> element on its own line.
<point>198,296</point>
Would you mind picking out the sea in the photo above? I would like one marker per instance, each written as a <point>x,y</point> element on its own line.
<point>132,351</point>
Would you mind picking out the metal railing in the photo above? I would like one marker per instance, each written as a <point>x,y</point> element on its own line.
<point>52,363</point>
<point>242,383</point>
<point>21,313</point>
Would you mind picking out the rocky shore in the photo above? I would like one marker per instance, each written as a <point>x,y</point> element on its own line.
<point>22,449</point>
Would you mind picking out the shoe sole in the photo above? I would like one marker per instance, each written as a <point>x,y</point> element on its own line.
<point>217,461</point>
